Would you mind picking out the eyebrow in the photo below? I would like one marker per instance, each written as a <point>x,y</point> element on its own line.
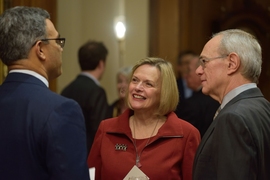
<point>147,80</point>
<point>200,57</point>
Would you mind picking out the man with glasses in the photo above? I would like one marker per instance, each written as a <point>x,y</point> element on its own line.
<point>42,134</point>
<point>185,92</point>
<point>236,145</point>
<point>199,109</point>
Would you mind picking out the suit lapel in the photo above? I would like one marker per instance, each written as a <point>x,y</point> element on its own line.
<point>205,138</point>
<point>254,92</point>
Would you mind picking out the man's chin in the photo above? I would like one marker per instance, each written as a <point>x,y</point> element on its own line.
<point>205,91</point>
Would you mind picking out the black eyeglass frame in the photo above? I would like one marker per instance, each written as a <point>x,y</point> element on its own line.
<point>60,41</point>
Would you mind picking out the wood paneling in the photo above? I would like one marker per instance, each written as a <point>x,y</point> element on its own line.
<point>164,32</point>
<point>49,5</point>
<point>198,20</point>
<point>2,66</point>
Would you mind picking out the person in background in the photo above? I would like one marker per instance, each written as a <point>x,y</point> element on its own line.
<point>199,109</point>
<point>86,89</point>
<point>236,145</point>
<point>42,134</point>
<point>122,78</point>
<point>148,136</point>
<point>181,69</point>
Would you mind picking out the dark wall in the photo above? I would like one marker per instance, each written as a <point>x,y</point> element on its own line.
<point>178,25</point>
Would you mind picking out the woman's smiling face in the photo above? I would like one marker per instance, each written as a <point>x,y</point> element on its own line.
<point>144,88</point>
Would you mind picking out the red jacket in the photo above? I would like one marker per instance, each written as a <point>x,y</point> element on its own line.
<point>169,155</point>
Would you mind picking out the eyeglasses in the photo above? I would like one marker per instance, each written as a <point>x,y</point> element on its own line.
<point>204,60</point>
<point>60,41</point>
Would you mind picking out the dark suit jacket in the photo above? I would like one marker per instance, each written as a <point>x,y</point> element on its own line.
<point>42,134</point>
<point>198,110</point>
<point>93,101</point>
<point>237,144</point>
<point>181,90</point>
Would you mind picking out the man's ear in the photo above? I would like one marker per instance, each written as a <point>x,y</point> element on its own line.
<point>234,63</point>
<point>39,50</point>
<point>101,64</point>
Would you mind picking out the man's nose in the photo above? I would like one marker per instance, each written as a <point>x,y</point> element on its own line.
<point>199,70</point>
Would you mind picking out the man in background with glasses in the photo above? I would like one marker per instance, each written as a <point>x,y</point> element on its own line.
<point>236,145</point>
<point>42,134</point>
<point>199,109</point>
<point>182,64</point>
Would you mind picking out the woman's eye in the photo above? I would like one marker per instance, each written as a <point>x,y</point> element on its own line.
<point>134,80</point>
<point>149,84</point>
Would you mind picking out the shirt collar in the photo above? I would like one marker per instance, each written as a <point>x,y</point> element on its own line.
<point>32,73</point>
<point>91,77</point>
<point>233,93</point>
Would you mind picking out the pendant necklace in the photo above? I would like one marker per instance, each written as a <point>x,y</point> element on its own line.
<point>138,155</point>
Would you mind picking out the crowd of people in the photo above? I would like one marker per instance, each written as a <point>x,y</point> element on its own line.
<point>210,123</point>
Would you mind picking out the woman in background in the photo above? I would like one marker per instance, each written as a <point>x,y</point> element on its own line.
<point>120,105</point>
<point>148,136</point>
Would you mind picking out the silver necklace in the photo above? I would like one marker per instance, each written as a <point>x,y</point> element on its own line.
<point>138,155</point>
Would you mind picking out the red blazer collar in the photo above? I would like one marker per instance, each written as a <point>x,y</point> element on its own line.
<point>171,128</point>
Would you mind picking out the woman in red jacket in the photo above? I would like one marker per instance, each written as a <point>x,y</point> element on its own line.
<point>148,136</point>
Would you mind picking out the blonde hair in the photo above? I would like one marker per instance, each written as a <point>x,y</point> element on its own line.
<point>169,95</point>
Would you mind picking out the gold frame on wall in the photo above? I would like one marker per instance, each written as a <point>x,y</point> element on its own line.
<point>3,68</point>
<point>3,72</point>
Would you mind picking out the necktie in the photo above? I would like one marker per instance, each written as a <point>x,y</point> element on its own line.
<point>217,112</point>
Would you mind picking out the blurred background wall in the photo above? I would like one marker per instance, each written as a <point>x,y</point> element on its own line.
<point>81,20</point>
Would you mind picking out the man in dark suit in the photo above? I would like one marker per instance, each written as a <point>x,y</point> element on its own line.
<point>199,109</point>
<point>236,145</point>
<point>42,134</point>
<point>86,89</point>
<point>181,69</point>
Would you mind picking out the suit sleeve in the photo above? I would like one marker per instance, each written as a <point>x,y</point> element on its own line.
<point>96,111</point>
<point>192,143</point>
<point>64,139</point>
<point>235,156</point>
<point>191,112</point>
<point>101,107</point>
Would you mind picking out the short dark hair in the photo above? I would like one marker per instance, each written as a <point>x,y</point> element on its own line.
<point>184,53</point>
<point>90,54</point>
